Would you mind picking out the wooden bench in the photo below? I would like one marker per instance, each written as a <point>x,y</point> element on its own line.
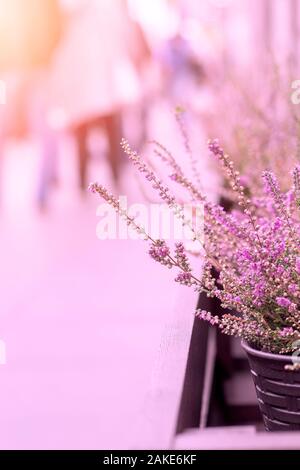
<point>176,410</point>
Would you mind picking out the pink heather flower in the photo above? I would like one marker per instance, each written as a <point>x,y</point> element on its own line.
<point>271,184</point>
<point>287,331</point>
<point>293,288</point>
<point>296,177</point>
<point>150,177</point>
<point>298,265</point>
<point>207,316</point>
<point>259,289</point>
<point>183,278</point>
<point>247,255</point>
<point>283,302</point>
<point>163,251</point>
<point>277,224</point>
<point>214,147</point>
<point>279,271</point>
<point>174,177</point>
<point>93,187</point>
<point>159,252</point>
<point>290,198</point>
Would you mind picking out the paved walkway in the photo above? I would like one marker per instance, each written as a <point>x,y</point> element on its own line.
<point>81,319</point>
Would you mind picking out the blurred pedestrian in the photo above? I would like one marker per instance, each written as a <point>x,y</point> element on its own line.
<point>95,76</point>
<point>29,33</point>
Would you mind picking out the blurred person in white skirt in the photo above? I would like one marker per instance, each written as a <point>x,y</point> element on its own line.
<point>95,75</point>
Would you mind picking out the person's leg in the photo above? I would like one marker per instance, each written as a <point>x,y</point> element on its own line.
<point>81,138</point>
<point>112,126</point>
<point>36,104</point>
<point>48,166</point>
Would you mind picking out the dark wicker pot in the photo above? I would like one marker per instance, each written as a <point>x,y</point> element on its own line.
<point>277,389</point>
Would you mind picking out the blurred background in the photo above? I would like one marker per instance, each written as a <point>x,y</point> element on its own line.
<point>81,318</point>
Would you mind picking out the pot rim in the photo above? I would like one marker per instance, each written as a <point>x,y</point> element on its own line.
<point>268,355</point>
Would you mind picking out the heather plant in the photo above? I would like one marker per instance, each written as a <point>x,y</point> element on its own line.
<point>261,126</point>
<point>255,250</point>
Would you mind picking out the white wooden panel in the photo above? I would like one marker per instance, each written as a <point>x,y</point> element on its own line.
<point>237,438</point>
<point>158,417</point>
